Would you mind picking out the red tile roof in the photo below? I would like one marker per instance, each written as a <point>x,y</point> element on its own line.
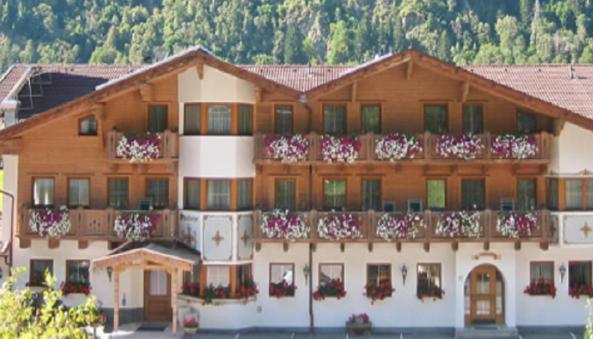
<point>299,77</point>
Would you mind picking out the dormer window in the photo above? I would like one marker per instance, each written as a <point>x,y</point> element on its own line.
<point>87,126</point>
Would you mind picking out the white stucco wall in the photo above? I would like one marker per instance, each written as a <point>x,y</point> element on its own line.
<point>211,156</point>
<point>216,86</point>
<point>567,150</point>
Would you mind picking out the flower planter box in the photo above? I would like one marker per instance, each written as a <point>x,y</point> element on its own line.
<point>359,328</point>
<point>190,330</point>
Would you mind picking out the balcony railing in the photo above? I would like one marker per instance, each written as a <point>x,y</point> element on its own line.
<point>541,142</point>
<point>98,224</point>
<point>369,222</point>
<point>168,145</point>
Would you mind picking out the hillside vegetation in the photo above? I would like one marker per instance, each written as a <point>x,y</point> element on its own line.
<point>296,31</point>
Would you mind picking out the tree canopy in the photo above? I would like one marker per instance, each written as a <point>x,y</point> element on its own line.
<point>296,31</point>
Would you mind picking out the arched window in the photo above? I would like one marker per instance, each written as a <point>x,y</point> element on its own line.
<point>88,126</point>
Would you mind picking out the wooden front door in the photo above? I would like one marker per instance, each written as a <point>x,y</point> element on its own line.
<point>483,296</point>
<point>157,296</point>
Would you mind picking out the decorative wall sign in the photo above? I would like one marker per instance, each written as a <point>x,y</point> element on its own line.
<point>480,255</point>
<point>190,229</point>
<point>218,230</point>
<point>245,234</point>
<point>578,229</point>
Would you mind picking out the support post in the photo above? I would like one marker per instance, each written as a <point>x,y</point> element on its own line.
<point>116,299</point>
<point>174,273</point>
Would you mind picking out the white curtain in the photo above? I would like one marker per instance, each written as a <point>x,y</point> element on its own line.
<point>219,119</point>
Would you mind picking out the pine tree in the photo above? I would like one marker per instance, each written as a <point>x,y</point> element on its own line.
<point>293,45</point>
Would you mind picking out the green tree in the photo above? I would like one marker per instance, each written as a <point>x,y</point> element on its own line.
<point>20,318</point>
<point>293,45</point>
<point>337,47</point>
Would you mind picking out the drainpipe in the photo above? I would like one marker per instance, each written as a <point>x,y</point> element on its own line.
<point>8,258</point>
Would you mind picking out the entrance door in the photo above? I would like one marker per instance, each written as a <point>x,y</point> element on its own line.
<point>485,296</point>
<point>157,296</point>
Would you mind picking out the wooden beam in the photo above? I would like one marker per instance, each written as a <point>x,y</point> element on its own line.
<point>98,110</point>
<point>464,92</point>
<point>11,146</point>
<point>354,91</point>
<point>115,299</point>
<point>259,94</point>
<point>409,70</point>
<point>200,69</point>
<point>174,300</point>
<point>559,125</point>
<point>146,92</point>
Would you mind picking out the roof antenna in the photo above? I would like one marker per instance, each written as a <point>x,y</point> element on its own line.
<point>571,72</point>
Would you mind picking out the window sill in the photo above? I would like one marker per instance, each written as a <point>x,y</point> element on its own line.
<point>215,302</point>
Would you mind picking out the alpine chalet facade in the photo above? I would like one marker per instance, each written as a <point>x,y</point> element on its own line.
<point>291,196</point>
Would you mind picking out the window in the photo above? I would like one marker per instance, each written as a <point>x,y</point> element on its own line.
<point>525,122</point>
<point>589,193</point>
<point>282,274</point>
<point>579,274</point>
<point>191,199</point>
<point>191,119</point>
<point>78,192</point>
<point>244,194</point>
<point>329,272</point>
<point>219,194</point>
<point>371,119</point>
<point>245,120</point>
<point>38,269</point>
<point>472,194</point>
<point>553,194</point>
<point>285,194</point>
<point>77,271</point>
<point>219,119</point>
<point>435,194</point>
<point>436,119</point>
<point>574,194</point>
<point>473,119</point>
<point>541,271</point>
<point>118,193</point>
<point>88,126</point>
<point>244,276</point>
<point>334,119</point>
<point>334,194</point>
<point>429,279</point>
<point>43,191</point>
<point>158,192</point>
<point>283,119</point>
<point>526,194</point>
<point>157,118</point>
<point>371,194</point>
<point>378,273</point>
<point>158,283</point>
<point>218,276</point>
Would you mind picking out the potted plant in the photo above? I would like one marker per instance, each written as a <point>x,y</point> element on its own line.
<point>190,325</point>
<point>359,324</point>
<point>332,288</point>
<point>541,287</point>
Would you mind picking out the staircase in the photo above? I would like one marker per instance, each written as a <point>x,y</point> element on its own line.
<point>487,331</point>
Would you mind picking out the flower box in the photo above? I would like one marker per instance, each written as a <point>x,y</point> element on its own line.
<point>246,291</point>
<point>282,289</point>
<point>190,325</point>
<point>379,292</point>
<point>509,146</point>
<point>280,224</point>
<point>434,292</point>
<point>69,287</point>
<point>463,146</point>
<point>139,149</point>
<point>359,324</point>
<point>135,226</point>
<point>49,223</point>
<point>459,224</point>
<point>399,226</point>
<point>287,148</point>
<point>580,290</point>
<point>541,287</point>
<point>215,292</point>
<point>333,288</point>
<point>339,226</point>
<point>516,224</point>
<point>339,149</point>
<point>398,146</point>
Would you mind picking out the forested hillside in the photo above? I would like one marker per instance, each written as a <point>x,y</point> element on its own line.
<point>296,31</point>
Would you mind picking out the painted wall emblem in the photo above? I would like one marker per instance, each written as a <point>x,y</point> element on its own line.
<point>577,229</point>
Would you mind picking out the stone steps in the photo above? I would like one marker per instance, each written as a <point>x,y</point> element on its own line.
<point>490,332</point>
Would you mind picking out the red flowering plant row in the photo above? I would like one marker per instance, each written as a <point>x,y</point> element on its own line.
<point>580,290</point>
<point>191,289</point>
<point>379,292</point>
<point>282,289</point>
<point>247,290</point>
<point>333,288</point>
<point>212,292</point>
<point>541,287</point>
<point>434,292</point>
<point>69,287</point>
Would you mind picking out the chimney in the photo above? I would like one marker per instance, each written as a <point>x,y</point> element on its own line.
<point>571,72</point>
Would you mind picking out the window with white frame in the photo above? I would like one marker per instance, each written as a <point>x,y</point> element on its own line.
<point>218,276</point>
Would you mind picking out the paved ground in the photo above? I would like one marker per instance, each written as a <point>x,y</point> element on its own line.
<point>129,331</point>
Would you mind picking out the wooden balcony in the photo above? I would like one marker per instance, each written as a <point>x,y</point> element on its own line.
<point>429,152</point>
<point>168,147</point>
<point>543,232</point>
<point>97,224</point>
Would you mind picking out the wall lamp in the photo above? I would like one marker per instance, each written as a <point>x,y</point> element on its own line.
<point>109,272</point>
<point>306,272</point>
<point>562,270</point>
<point>404,270</point>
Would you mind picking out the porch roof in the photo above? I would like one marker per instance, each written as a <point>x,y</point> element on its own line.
<point>172,254</point>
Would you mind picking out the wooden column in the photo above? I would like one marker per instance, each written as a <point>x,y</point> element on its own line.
<point>174,273</point>
<point>116,299</point>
